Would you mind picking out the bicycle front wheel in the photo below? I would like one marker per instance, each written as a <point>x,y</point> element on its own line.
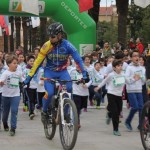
<point>145,126</point>
<point>68,127</point>
<point>50,125</point>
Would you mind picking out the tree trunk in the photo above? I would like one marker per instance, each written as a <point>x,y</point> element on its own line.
<point>122,9</point>
<point>5,42</point>
<point>43,30</point>
<point>94,12</point>
<point>11,20</point>
<point>25,34</point>
<point>18,27</point>
<point>34,37</point>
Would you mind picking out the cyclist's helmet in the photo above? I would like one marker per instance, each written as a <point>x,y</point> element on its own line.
<point>54,29</point>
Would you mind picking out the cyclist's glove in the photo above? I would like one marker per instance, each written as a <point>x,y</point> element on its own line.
<point>27,81</point>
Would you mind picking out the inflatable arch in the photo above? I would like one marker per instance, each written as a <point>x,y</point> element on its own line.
<point>80,27</point>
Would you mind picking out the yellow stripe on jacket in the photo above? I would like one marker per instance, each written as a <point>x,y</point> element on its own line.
<point>47,47</point>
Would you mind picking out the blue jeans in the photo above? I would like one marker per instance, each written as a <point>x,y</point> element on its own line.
<point>136,103</point>
<point>0,107</point>
<point>13,104</point>
<point>49,87</point>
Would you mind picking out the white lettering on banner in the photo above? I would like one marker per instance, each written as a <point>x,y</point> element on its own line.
<point>66,7</point>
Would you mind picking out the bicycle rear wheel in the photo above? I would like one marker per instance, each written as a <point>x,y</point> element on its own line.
<point>69,129</point>
<point>50,125</point>
<point>145,126</point>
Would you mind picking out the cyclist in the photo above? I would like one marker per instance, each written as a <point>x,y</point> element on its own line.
<point>56,52</point>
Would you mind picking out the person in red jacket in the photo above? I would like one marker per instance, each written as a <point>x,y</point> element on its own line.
<point>132,44</point>
<point>139,46</point>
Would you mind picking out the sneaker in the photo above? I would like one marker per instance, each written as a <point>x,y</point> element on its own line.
<point>97,107</point>
<point>12,132</point>
<point>44,117</point>
<point>91,103</point>
<point>32,115</point>
<point>128,126</point>
<point>6,127</point>
<point>37,108</point>
<point>25,108</point>
<point>85,109</point>
<point>94,102</point>
<point>108,119</point>
<point>79,126</point>
<point>138,127</point>
<point>117,133</point>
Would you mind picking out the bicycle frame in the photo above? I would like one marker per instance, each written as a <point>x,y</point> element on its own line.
<point>60,96</point>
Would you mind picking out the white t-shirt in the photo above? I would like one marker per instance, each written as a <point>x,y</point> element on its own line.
<point>11,83</point>
<point>77,88</point>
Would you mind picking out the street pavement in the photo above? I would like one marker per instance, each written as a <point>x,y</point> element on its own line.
<point>93,135</point>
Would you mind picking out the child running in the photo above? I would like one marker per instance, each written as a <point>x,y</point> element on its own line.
<point>135,77</point>
<point>115,83</point>
<point>30,90</point>
<point>10,93</point>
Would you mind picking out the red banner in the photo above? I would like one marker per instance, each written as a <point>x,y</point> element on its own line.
<point>85,5</point>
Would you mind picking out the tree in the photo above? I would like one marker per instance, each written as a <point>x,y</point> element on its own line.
<point>11,20</point>
<point>18,28</point>
<point>122,10</point>
<point>43,30</point>
<point>94,12</point>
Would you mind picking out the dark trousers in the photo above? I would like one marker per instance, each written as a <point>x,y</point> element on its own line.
<point>40,96</point>
<point>32,97</point>
<point>95,95</point>
<point>79,102</point>
<point>114,107</point>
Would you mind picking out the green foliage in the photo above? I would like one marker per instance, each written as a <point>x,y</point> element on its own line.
<point>107,31</point>
<point>139,22</point>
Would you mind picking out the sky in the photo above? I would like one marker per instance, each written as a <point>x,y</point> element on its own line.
<point>107,2</point>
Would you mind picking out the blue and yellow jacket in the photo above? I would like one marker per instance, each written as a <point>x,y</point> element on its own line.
<point>56,57</point>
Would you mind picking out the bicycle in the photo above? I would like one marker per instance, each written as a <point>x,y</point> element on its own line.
<point>145,126</point>
<point>62,111</point>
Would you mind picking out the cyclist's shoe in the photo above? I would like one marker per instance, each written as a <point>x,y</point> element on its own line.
<point>12,132</point>
<point>6,127</point>
<point>44,117</point>
<point>128,126</point>
<point>117,133</point>
<point>67,118</point>
<point>108,119</point>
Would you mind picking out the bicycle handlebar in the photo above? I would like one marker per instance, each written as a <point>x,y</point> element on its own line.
<point>64,81</point>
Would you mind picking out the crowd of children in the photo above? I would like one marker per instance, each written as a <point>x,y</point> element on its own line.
<point>121,73</point>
